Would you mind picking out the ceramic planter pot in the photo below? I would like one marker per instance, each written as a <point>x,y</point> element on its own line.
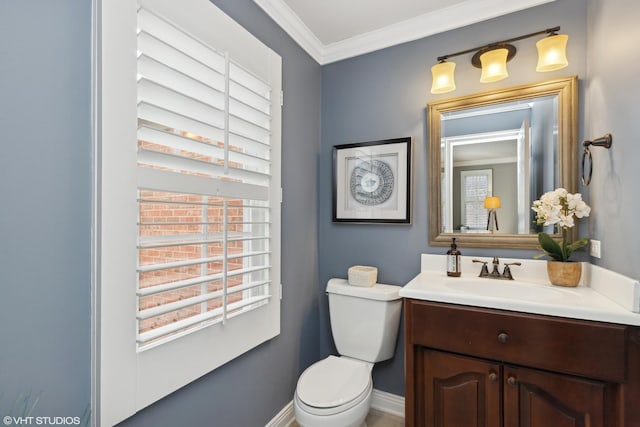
<point>564,273</point>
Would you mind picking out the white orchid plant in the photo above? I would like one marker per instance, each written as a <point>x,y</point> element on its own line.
<point>559,207</point>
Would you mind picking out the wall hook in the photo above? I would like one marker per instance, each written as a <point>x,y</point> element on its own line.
<point>604,141</point>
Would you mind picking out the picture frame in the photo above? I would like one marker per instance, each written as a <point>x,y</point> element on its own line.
<point>372,182</point>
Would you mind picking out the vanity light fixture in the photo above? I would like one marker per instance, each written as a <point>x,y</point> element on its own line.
<point>493,58</point>
<point>443,81</point>
<point>494,65</point>
<point>552,52</point>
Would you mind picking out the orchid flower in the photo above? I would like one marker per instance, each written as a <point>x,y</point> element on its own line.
<point>559,207</point>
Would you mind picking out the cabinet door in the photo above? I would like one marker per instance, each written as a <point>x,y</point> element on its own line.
<point>541,399</point>
<point>459,391</point>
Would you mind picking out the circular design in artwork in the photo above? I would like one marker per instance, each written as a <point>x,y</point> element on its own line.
<point>372,182</point>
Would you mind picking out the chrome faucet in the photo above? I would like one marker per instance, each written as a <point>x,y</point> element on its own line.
<point>495,273</point>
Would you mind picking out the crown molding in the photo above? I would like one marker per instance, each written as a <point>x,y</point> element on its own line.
<point>287,19</point>
<point>456,16</point>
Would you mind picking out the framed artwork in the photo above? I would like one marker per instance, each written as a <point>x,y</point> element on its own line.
<point>372,181</point>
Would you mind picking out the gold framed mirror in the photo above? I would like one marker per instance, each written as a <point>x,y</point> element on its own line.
<point>500,149</point>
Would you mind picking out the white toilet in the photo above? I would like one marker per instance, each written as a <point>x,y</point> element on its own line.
<point>336,391</point>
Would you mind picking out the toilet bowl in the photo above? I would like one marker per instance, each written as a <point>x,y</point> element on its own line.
<point>333,392</point>
<point>336,391</point>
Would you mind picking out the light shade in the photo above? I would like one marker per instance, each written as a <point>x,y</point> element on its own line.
<point>494,65</point>
<point>443,80</point>
<point>552,52</point>
<point>492,202</point>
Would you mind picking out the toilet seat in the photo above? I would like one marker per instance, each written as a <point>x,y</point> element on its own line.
<point>333,385</point>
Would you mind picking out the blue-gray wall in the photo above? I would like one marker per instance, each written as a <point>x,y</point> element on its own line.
<point>45,217</point>
<point>384,95</point>
<point>45,235</point>
<point>45,182</point>
<point>612,95</point>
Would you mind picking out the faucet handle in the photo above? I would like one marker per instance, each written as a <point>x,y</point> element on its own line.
<point>506,274</point>
<point>484,271</point>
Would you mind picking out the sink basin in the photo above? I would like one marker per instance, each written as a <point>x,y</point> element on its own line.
<point>604,296</point>
<point>511,289</point>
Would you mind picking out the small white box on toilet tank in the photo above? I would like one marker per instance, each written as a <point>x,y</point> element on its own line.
<point>362,275</point>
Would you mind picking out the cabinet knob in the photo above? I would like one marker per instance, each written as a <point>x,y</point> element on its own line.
<point>493,376</point>
<point>503,337</point>
<point>512,381</point>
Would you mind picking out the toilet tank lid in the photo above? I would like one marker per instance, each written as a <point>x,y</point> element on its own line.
<point>378,291</point>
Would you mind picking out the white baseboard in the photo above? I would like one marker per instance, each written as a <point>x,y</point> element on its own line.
<point>380,401</point>
<point>284,418</point>
<point>387,402</point>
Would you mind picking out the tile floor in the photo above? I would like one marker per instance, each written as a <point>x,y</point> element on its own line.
<point>378,419</point>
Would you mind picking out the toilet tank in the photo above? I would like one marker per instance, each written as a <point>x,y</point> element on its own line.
<point>364,320</point>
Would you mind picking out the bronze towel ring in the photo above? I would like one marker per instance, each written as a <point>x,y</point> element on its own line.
<point>605,142</point>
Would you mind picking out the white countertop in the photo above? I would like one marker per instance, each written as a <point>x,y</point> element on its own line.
<point>530,292</point>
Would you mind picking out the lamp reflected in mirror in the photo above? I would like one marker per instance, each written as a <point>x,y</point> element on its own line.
<point>492,203</point>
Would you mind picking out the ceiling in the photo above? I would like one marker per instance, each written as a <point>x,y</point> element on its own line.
<point>332,30</point>
<point>486,153</point>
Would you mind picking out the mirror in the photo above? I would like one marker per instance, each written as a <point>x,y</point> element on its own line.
<point>512,145</point>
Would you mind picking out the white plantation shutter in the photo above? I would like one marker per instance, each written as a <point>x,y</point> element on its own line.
<point>476,186</point>
<point>204,158</point>
<point>188,209</point>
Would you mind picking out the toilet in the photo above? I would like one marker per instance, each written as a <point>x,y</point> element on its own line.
<point>336,391</point>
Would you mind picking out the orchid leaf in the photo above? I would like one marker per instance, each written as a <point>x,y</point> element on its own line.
<point>576,245</point>
<point>551,247</point>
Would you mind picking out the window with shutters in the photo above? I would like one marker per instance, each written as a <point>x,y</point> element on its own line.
<point>476,186</point>
<point>202,120</point>
<point>189,212</point>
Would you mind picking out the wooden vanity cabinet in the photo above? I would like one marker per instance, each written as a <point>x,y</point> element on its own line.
<point>468,366</point>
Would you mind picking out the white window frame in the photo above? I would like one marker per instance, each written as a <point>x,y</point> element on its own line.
<point>125,379</point>
<point>482,221</point>
<point>447,145</point>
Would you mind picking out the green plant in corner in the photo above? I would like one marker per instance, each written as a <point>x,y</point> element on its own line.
<point>559,208</point>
